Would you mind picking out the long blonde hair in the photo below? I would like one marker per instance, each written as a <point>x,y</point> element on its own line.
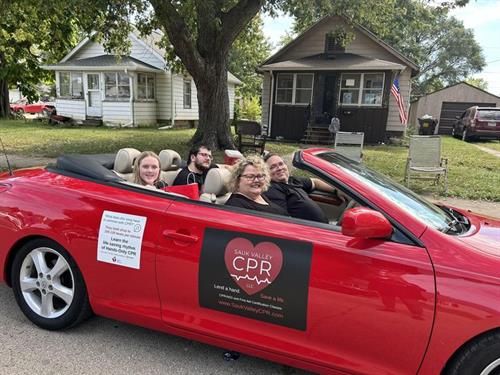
<point>239,168</point>
<point>137,163</point>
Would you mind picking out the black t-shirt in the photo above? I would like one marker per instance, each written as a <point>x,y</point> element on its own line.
<point>293,197</point>
<point>239,200</point>
<point>185,177</point>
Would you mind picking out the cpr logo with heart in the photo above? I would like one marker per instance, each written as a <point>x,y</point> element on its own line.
<point>253,268</point>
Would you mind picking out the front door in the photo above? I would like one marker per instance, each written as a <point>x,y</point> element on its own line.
<point>329,97</point>
<point>94,100</point>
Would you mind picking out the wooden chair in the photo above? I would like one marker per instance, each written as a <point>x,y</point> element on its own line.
<point>350,145</point>
<point>249,136</point>
<point>425,161</point>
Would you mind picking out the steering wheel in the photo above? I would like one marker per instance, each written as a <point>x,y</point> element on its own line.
<point>352,203</point>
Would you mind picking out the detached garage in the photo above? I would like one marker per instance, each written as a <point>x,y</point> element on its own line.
<point>452,101</point>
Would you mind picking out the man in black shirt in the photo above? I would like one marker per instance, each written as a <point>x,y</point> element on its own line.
<point>291,193</point>
<point>199,159</point>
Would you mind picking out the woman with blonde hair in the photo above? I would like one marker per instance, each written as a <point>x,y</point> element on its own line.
<point>147,169</point>
<point>249,179</point>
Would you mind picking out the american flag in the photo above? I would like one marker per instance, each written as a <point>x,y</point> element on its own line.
<point>403,116</point>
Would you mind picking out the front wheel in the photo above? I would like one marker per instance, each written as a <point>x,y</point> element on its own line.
<point>48,286</point>
<point>481,357</point>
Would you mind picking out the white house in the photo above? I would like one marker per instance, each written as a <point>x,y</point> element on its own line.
<point>127,90</point>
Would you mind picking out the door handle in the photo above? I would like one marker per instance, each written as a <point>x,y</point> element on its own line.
<point>177,236</point>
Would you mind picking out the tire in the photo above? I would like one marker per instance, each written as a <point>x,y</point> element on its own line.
<point>454,133</point>
<point>48,286</point>
<point>480,357</point>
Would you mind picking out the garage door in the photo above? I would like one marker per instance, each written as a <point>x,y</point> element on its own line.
<point>449,111</point>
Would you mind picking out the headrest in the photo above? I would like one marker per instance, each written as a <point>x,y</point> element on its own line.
<point>216,181</point>
<point>169,160</point>
<point>124,160</point>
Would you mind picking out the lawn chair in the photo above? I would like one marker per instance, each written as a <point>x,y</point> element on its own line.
<point>350,145</point>
<point>425,161</point>
<point>249,136</point>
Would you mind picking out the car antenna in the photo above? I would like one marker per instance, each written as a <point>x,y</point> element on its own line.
<point>6,158</point>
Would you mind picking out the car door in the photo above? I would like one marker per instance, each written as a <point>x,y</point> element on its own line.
<point>296,288</point>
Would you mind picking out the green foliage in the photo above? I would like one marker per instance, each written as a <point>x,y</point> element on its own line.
<point>247,52</point>
<point>480,83</point>
<point>249,109</point>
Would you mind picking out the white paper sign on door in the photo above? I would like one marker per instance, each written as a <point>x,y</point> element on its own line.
<point>120,239</point>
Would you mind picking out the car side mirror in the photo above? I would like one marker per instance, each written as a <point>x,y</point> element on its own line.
<point>362,222</point>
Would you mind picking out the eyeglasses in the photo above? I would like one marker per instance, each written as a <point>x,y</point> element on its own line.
<point>205,155</point>
<point>276,166</point>
<point>252,177</point>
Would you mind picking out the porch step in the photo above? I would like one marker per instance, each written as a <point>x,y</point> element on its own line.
<point>317,135</point>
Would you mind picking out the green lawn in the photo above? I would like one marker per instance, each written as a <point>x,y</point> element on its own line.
<point>474,174</point>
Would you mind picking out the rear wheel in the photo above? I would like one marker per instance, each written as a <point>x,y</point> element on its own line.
<point>48,286</point>
<point>481,357</point>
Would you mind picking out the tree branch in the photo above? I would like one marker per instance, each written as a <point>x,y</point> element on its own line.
<point>235,20</point>
<point>179,35</point>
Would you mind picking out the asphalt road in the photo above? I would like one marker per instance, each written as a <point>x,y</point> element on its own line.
<point>104,346</point>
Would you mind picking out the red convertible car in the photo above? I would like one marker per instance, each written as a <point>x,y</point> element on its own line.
<point>392,285</point>
<point>23,106</point>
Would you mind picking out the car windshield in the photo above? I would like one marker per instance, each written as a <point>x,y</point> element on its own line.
<point>421,209</point>
<point>489,115</point>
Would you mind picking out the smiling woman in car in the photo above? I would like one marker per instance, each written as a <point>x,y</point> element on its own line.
<point>249,179</point>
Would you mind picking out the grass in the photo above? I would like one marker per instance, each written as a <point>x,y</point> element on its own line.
<point>494,145</point>
<point>473,174</point>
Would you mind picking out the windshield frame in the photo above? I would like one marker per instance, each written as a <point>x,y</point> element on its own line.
<point>419,208</point>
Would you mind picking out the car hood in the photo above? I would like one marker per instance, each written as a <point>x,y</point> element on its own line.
<point>484,233</point>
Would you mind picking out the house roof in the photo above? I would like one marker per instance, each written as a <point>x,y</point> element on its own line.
<point>362,29</point>
<point>151,41</point>
<point>344,61</point>
<point>104,63</point>
<point>457,84</point>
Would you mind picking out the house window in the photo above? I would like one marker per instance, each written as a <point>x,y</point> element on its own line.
<point>145,86</point>
<point>362,89</point>
<point>117,86</point>
<point>70,85</point>
<point>294,88</point>
<point>186,93</point>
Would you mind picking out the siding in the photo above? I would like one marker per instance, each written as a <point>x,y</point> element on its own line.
<point>145,113</point>
<point>393,122</point>
<point>231,93</point>
<point>266,97</point>
<point>163,97</point>
<point>138,51</point>
<point>74,108</point>
<point>462,92</point>
<point>116,112</point>
<point>314,43</point>
<point>182,113</point>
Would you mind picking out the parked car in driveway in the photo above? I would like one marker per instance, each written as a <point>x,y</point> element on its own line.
<point>23,106</point>
<point>478,122</point>
<point>392,284</point>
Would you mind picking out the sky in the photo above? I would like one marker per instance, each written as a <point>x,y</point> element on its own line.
<point>483,16</point>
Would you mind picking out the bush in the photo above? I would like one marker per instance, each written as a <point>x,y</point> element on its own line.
<point>249,109</point>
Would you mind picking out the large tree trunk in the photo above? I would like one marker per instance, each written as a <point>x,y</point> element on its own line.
<point>4,92</point>
<point>213,106</point>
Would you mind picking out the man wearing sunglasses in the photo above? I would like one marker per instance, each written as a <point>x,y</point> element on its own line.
<point>200,161</point>
<point>291,193</point>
